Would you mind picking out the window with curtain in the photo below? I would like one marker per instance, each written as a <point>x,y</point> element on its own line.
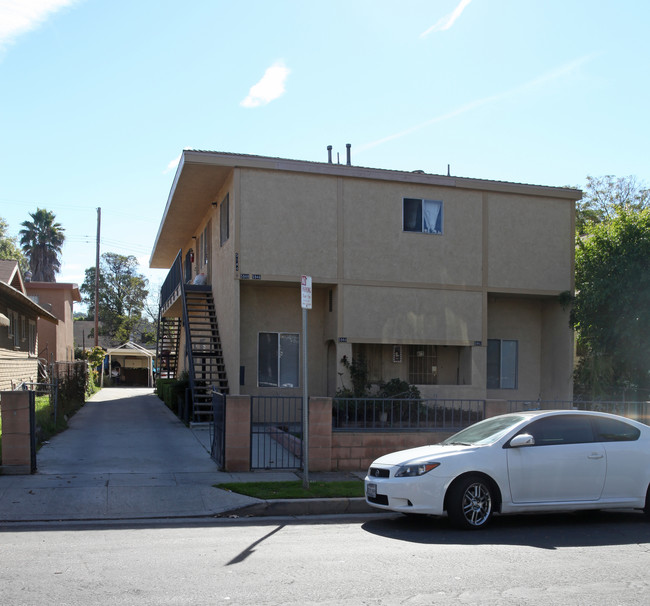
<point>502,364</point>
<point>278,359</point>
<point>422,216</point>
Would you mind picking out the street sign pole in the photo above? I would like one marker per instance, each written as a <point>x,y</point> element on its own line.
<point>305,303</point>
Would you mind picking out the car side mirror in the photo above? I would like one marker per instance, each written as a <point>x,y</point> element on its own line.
<point>523,439</point>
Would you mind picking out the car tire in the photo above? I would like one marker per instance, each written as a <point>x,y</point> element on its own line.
<point>470,503</point>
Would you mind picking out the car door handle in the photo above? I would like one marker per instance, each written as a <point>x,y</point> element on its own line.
<point>595,455</point>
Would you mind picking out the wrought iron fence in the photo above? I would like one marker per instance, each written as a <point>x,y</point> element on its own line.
<point>523,405</point>
<point>276,432</point>
<point>379,414</point>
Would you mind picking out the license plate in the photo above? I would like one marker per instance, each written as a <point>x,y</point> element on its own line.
<point>371,490</point>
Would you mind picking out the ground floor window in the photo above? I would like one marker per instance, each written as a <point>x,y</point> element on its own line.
<point>502,364</point>
<point>423,365</point>
<point>278,359</point>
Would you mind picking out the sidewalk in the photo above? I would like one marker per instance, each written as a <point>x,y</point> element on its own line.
<point>127,456</point>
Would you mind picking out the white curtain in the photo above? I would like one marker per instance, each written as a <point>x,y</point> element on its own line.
<point>431,210</point>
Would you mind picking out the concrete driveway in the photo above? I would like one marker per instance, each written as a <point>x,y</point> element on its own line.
<point>125,455</point>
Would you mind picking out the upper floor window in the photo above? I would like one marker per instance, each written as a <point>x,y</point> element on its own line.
<point>422,216</point>
<point>502,364</point>
<point>224,220</point>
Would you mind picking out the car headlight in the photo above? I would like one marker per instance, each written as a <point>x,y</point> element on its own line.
<point>418,469</point>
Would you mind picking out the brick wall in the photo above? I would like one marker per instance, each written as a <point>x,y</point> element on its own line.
<point>355,451</point>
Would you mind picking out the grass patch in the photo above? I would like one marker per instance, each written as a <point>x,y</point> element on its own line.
<point>295,490</point>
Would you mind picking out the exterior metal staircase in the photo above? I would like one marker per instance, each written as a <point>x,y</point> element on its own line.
<point>205,356</point>
<point>169,336</point>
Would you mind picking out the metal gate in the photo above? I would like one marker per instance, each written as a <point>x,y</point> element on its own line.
<point>276,432</point>
<point>218,428</point>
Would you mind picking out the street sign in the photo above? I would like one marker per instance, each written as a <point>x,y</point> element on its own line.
<point>305,292</point>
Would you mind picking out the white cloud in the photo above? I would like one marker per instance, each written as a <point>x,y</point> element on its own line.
<point>448,20</point>
<point>555,74</point>
<point>173,164</point>
<point>269,88</point>
<point>21,16</point>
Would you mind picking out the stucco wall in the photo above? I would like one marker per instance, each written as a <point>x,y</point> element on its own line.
<point>377,248</point>
<point>266,308</point>
<point>530,243</point>
<point>288,225</point>
<point>391,314</point>
<point>540,326</point>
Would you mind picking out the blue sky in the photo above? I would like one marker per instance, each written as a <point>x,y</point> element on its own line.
<point>99,97</point>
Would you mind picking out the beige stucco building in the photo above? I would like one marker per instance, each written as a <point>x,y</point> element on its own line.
<point>56,341</point>
<point>449,283</point>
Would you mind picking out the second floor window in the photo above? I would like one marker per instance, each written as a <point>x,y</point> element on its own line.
<point>422,216</point>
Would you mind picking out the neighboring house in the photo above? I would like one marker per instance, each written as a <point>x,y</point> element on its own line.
<point>56,341</point>
<point>449,283</point>
<point>84,335</point>
<point>19,317</point>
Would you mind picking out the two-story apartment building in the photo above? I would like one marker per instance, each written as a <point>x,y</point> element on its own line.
<point>449,283</point>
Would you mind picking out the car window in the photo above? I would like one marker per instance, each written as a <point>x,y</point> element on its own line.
<point>613,430</point>
<point>485,432</point>
<point>560,429</point>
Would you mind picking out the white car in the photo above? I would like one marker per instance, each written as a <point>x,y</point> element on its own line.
<point>541,461</point>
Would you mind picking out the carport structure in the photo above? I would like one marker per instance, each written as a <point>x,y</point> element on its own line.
<point>136,364</point>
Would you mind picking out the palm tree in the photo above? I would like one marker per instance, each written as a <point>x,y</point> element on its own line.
<point>42,240</point>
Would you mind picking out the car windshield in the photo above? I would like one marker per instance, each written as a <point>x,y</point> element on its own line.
<point>484,432</point>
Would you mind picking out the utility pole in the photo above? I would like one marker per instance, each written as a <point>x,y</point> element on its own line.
<point>99,222</point>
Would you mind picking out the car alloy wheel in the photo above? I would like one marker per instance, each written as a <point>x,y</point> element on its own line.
<point>470,503</point>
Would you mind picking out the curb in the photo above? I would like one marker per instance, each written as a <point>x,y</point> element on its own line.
<point>302,507</point>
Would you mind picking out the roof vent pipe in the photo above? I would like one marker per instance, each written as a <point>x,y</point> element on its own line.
<point>348,146</point>
<point>329,154</point>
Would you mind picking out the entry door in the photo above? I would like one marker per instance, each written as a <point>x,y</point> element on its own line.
<point>564,465</point>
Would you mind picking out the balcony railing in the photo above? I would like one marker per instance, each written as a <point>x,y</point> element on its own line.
<point>173,280</point>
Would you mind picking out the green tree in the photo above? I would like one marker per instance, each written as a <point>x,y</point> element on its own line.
<point>611,310</point>
<point>122,295</point>
<point>9,248</point>
<point>604,197</point>
<point>42,240</point>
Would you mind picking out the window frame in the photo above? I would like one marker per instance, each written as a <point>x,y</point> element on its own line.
<point>280,372</point>
<point>32,335</point>
<point>514,383</point>
<point>224,220</point>
<point>420,216</point>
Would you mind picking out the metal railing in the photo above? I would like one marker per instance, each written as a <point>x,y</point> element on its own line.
<point>276,432</point>
<point>379,414</point>
<point>173,280</point>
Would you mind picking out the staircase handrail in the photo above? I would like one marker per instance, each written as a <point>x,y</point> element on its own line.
<point>188,340</point>
<point>173,280</point>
